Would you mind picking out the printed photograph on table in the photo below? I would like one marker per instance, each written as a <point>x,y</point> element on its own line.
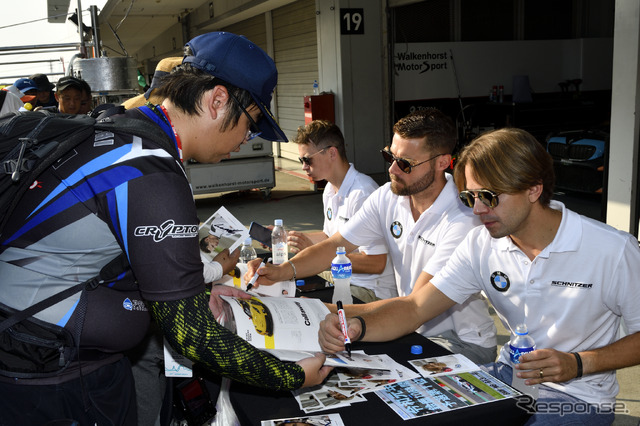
<point>346,386</point>
<point>320,420</point>
<point>329,395</point>
<point>222,230</point>
<point>424,396</point>
<point>447,364</point>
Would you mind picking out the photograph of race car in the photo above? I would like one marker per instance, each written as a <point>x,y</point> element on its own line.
<point>259,314</point>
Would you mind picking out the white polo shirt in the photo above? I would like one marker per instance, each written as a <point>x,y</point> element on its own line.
<point>571,297</point>
<point>339,207</point>
<point>425,244</point>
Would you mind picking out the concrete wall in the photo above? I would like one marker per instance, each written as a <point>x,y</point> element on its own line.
<point>353,67</point>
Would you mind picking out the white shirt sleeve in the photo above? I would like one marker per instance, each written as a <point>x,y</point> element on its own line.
<point>212,271</point>
<point>365,227</point>
<point>449,239</point>
<point>458,279</point>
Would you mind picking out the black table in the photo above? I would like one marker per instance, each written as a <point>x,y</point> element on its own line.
<point>252,405</point>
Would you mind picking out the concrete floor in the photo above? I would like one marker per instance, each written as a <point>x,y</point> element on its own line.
<point>296,202</point>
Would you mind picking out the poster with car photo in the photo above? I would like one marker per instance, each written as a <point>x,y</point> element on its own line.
<point>222,230</point>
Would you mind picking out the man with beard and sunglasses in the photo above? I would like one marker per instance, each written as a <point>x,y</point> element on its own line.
<point>420,218</point>
<point>569,278</point>
<point>323,157</point>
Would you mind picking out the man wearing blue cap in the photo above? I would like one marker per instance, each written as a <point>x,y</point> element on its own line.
<point>120,193</point>
<point>24,88</point>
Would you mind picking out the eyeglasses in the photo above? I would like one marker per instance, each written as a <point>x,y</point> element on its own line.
<point>254,130</point>
<point>404,164</point>
<point>488,198</point>
<point>307,158</point>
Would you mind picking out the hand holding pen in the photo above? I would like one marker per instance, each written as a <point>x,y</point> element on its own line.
<point>253,279</point>
<point>343,326</point>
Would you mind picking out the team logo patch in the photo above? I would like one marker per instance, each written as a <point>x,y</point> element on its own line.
<point>396,229</point>
<point>134,305</point>
<point>500,281</point>
<point>569,284</point>
<point>329,213</point>
<point>168,229</point>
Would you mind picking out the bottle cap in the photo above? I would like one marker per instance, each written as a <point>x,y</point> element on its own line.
<point>277,222</point>
<point>341,250</point>
<point>247,242</point>
<point>299,282</point>
<point>416,349</point>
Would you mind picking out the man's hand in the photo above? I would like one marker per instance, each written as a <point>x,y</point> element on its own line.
<point>216,304</point>
<point>267,275</point>
<point>227,260</point>
<point>330,334</point>
<point>314,371</point>
<point>555,366</point>
<point>298,241</point>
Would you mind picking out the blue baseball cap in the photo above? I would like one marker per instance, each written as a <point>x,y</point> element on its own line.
<point>25,84</point>
<point>239,62</point>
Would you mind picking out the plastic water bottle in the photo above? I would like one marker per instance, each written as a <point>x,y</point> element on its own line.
<point>341,273</point>
<point>279,243</point>
<point>247,252</point>
<point>315,87</point>
<point>521,343</point>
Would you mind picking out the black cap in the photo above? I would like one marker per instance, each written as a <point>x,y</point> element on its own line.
<point>42,81</point>
<point>69,81</point>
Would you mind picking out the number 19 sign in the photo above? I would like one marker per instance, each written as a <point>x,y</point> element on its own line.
<point>351,21</point>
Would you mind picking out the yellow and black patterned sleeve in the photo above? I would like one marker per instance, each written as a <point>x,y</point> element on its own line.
<point>191,329</point>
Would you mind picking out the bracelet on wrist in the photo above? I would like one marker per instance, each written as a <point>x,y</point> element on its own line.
<point>579,362</point>
<point>294,270</point>
<point>363,326</point>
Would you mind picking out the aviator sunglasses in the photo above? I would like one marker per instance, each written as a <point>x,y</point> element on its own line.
<point>404,164</point>
<point>254,130</point>
<point>307,158</point>
<point>488,198</point>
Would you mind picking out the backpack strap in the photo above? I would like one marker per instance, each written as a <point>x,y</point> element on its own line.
<point>135,122</point>
<point>15,167</point>
<point>109,272</point>
<point>77,129</point>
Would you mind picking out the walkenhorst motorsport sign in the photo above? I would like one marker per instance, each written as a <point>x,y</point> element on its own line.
<point>428,70</point>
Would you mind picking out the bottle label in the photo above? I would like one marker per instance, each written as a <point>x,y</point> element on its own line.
<point>515,353</point>
<point>341,270</point>
<point>280,254</point>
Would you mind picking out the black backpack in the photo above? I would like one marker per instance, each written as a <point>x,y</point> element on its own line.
<point>30,142</point>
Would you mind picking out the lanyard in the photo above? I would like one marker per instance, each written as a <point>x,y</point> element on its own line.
<point>161,117</point>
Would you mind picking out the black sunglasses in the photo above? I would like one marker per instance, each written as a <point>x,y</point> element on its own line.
<point>307,158</point>
<point>404,165</point>
<point>488,198</point>
<point>254,130</point>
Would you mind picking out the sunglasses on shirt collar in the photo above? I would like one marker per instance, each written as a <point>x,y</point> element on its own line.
<point>486,196</point>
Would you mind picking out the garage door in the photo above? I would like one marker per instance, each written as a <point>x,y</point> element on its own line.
<point>296,56</point>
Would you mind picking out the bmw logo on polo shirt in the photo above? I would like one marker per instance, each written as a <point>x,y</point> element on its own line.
<point>396,229</point>
<point>500,281</point>
<point>329,213</point>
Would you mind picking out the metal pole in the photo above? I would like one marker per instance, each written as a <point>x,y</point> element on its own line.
<point>83,49</point>
<point>93,9</point>
<point>70,46</point>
